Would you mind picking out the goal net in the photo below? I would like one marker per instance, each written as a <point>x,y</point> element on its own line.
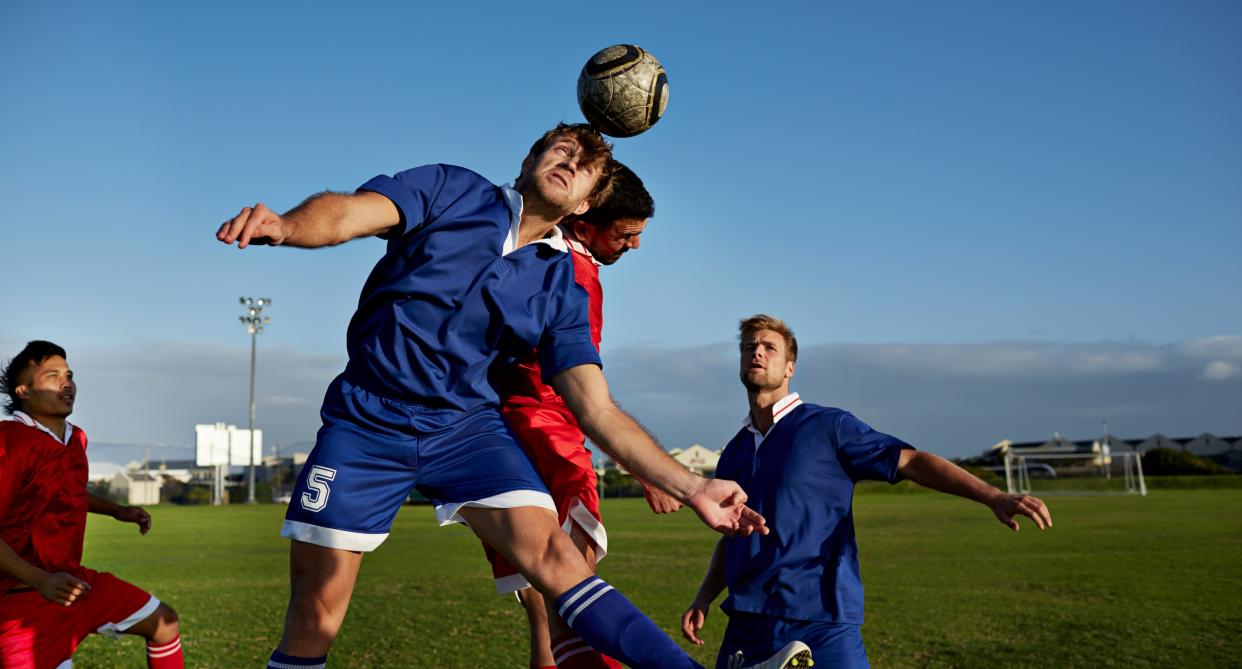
<point>1075,473</point>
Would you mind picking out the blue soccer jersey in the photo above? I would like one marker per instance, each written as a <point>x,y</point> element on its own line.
<point>801,478</point>
<point>414,408</point>
<point>446,298</point>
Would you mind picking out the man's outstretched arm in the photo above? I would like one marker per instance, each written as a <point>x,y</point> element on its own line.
<point>325,219</point>
<point>933,471</point>
<point>720,504</point>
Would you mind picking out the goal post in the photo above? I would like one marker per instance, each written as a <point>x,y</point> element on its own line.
<point>1075,473</point>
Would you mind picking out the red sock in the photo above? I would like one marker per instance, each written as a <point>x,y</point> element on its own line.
<point>165,655</point>
<point>571,652</point>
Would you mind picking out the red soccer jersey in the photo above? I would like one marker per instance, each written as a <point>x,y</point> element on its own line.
<point>521,384</point>
<point>43,499</point>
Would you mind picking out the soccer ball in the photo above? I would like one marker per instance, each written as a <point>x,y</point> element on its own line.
<point>622,90</point>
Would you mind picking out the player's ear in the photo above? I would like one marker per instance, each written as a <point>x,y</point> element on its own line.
<point>579,228</point>
<point>524,173</point>
<point>583,206</point>
<point>22,392</point>
<point>790,368</point>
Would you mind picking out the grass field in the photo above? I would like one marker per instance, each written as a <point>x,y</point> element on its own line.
<point>1118,582</point>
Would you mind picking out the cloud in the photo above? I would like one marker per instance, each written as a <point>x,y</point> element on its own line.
<point>1221,370</point>
<point>1226,347</point>
<point>952,399</point>
<point>157,392</point>
<point>955,400</point>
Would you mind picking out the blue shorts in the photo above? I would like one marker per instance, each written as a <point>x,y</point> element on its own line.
<point>372,452</point>
<point>833,645</point>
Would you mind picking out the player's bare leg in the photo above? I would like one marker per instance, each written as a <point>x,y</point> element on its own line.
<point>321,583</point>
<point>162,630</point>
<point>537,619</point>
<point>532,541</point>
<point>160,627</point>
<point>545,625</point>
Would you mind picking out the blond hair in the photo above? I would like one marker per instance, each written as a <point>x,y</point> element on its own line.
<point>765,322</point>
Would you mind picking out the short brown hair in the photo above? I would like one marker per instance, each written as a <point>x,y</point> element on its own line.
<point>596,151</point>
<point>765,322</point>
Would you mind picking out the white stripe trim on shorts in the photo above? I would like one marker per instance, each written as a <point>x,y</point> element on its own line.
<point>578,513</point>
<point>511,584</point>
<point>331,538</point>
<point>113,630</point>
<point>67,664</point>
<point>447,514</point>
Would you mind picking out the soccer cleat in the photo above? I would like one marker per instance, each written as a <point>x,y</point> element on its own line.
<point>795,654</point>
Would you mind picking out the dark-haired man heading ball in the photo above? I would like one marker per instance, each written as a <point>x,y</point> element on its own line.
<point>547,430</point>
<point>472,271</point>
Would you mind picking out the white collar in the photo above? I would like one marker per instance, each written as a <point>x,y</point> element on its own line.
<point>580,248</point>
<point>555,239</point>
<point>781,409</point>
<point>27,420</point>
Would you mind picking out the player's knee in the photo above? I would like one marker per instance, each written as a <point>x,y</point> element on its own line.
<point>167,624</point>
<point>558,563</point>
<point>311,617</point>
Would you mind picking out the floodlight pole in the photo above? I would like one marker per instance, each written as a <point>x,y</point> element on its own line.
<point>254,320</point>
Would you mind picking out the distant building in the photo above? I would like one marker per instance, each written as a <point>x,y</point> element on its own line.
<point>1158,440</point>
<point>697,459</point>
<point>103,471</point>
<point>137,488</point>
<point>1208,445</point>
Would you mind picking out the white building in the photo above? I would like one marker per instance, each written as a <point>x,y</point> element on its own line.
<point>103,471</point>
<point>697,459</point>
<point>137,487</point>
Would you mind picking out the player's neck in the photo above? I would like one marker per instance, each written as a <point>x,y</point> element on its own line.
<point>761,403</point>
<point>533,229</point>
<point>538,218</point>
<point>54,423</point>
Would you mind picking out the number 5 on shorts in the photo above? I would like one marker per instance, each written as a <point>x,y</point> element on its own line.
<point>317,497</point>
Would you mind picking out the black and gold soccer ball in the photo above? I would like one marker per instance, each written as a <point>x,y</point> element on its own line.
<point>622,90</point>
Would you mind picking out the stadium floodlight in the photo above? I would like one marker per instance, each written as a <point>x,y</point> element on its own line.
<point>254,320</point>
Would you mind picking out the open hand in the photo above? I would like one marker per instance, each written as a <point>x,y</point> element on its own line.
<point>721,505</point>
<point>692,621</point>
<point>1007,506</point>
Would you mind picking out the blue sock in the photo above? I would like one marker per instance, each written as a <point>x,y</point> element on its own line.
<point>279,660</point>
<point>612,625</point>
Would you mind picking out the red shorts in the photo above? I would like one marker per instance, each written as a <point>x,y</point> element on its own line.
<point>38,634</point>
<point>557,447</point>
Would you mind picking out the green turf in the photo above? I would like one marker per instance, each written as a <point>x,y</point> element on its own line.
<point>1120,581</point>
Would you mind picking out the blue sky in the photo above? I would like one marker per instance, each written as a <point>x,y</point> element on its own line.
<point>980,178</point>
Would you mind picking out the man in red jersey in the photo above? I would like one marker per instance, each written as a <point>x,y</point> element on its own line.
<point>49,602</point>
<point>546,428</point>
